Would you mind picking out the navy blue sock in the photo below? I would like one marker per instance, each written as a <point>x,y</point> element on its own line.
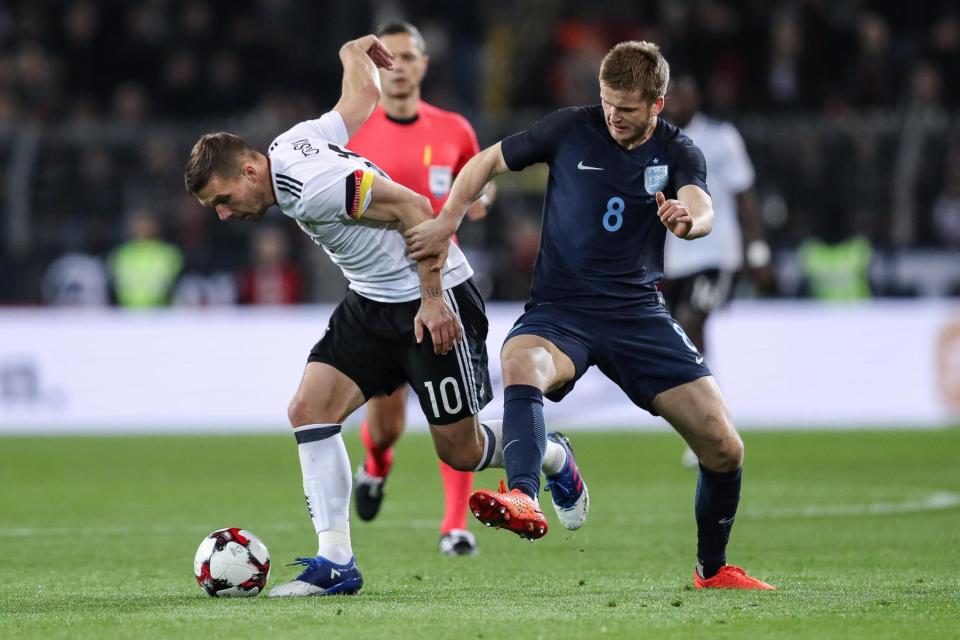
<point>718,494</point>
<point>524,437</point>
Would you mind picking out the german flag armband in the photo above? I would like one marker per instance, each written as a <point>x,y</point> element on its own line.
<point>358,192</point>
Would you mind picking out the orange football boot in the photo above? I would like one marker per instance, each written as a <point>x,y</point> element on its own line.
<point>730,577</point>
<point>513,510</point>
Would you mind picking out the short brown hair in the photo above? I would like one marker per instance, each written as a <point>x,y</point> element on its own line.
<point>402,26</point>
<point>636,66</point>
<point>214,154</point>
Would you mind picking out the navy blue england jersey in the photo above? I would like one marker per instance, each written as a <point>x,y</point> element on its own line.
<point>601,245</point>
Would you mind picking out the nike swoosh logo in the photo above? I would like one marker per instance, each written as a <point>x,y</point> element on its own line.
<point>508,445</point>
<point>699,360</point>
<point>584,167</point>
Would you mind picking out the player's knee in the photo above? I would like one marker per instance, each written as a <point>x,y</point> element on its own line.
<point>395,426</point>
<point>728,455</point>
<point>720,447</point>
<point>302,412</point>
<point>513,369</point>
<point>297,413</point>
<point>459,457</point>
<point>460,460</point>
<point>530,366</point>
<point>385,431</point>
<point>733,454</point>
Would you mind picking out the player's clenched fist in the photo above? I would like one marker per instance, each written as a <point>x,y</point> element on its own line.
<point>674,215</point>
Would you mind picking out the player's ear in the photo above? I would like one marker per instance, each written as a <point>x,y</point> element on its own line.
<point>658,105</point>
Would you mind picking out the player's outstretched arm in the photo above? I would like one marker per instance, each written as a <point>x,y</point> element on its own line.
<point>361,82</point>
<point>432,238</point>
<point>391,202</point>
<point>690,215</point>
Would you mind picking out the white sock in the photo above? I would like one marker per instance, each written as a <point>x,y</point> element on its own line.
<point>554,459</point>
<point>326,484</point>
<point>492,431</point>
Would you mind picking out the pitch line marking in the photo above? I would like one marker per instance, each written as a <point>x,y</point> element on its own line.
<point>934,502</point>
<point>937,501</point>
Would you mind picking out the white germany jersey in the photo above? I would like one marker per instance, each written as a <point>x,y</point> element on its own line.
<point>729,172</point>
<point>326,188</point>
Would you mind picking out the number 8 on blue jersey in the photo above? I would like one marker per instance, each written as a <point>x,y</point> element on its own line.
<point>613,216</point>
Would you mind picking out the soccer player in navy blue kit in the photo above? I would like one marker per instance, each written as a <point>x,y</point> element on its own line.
<point>620,179</point>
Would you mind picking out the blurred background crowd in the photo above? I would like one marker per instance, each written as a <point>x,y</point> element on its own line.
<point>850,111</point>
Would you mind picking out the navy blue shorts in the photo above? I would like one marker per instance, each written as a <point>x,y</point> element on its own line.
<point>643,353</point>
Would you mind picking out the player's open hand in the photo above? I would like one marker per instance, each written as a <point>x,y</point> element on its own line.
<point>674,215</point>
<point>429,238</point>
<point>436,316</point>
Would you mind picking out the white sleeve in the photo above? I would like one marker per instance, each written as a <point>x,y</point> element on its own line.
<point>329,126</point>
<point>738,170</point>
<point>346,197</point>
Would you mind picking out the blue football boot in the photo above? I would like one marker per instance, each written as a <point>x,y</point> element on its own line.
<point>567,489</point>
<point>321,578</point>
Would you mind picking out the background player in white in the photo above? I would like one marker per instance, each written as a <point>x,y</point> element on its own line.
<point>375,339</point>
<point>699,276</point>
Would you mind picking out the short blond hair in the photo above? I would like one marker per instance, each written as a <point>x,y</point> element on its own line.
<point>636,66</point>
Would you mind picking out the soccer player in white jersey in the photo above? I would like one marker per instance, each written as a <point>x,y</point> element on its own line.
<point>375,340</point>
<point>698,276</point>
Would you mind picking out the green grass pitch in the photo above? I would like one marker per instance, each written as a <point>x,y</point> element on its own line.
<point>859,530</point>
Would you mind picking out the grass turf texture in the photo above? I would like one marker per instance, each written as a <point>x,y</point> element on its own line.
<point>98,536</point>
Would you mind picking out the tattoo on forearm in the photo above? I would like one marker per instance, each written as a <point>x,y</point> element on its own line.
<point>433,292</point>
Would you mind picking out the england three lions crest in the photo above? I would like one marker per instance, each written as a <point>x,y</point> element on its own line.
<point>655,178</point>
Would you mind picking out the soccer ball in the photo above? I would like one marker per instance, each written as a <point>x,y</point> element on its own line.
<point>232,563</point>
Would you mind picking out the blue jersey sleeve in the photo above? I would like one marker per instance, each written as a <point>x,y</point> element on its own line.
<point>689,166</point>
<point>540,142</point>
